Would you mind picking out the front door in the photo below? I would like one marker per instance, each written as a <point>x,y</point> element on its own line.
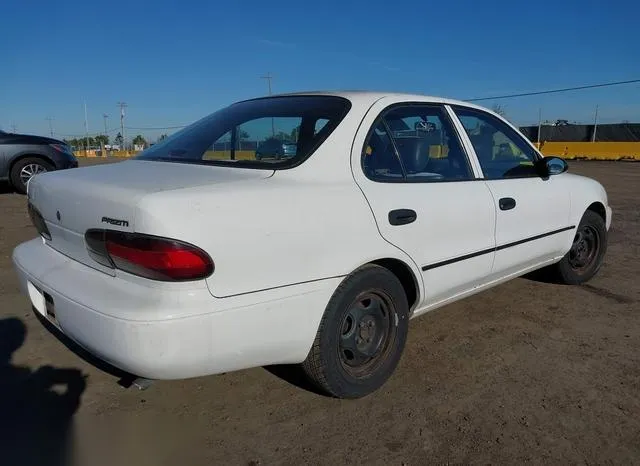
<point>425,196</point>
<point>532,224</point>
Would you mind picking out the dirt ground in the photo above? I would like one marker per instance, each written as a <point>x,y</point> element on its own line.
<point>526,372</point>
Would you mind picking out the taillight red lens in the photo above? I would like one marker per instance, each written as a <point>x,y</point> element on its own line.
<point>150,256</point>
<point>38,222</point>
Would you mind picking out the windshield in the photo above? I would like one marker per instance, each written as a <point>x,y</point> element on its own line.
<point>277,132</point>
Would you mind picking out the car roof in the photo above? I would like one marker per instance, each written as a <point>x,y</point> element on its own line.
<point>364,96</point>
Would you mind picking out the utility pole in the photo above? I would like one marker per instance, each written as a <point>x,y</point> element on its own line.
<point>268,77</point>
<point>122,106</point>
<point>14,128</point>
<point>86,128</point>
<point>595,126</point>
<point>539,125</point>
<point>105,116</point>
<point>50,125</point>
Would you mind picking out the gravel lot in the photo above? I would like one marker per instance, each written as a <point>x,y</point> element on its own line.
<point>525,372</point>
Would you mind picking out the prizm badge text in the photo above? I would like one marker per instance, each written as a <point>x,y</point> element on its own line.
<point>115,221</point>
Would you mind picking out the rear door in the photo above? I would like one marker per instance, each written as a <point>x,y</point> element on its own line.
<point>532,223</point>
<point>424,193</point>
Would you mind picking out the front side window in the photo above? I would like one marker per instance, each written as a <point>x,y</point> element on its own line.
<point>274,132</point>
<point>415,143</point>
<point>502,153</point>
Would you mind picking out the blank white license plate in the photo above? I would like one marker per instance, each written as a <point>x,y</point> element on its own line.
<point>37,299</point>
<point>43,305</point>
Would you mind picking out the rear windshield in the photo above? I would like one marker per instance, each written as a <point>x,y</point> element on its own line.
<point>272,132</point>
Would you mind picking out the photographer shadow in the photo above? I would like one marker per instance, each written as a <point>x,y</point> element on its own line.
<point>36,406</point>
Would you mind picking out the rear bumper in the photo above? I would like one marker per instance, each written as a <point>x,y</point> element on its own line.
<point>169,333</point>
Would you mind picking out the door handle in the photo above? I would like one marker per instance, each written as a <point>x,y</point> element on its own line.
<point>507,203</point>
<point>402,216</point>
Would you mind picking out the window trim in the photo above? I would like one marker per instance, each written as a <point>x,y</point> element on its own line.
<point>454,133</point>
<point>504,123</point>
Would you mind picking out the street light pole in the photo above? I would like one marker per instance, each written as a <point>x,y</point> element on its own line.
<point>50,125</point>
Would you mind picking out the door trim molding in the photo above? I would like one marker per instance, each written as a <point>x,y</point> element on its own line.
<point>495,249</point>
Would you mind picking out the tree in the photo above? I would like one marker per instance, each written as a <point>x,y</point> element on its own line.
<point>499,109</point>
<point>102,139</point>
<point>294,133</point>
<point>282,136</point>
<point>119,140</point>
<point>139,141</point>
<point>87,141</point>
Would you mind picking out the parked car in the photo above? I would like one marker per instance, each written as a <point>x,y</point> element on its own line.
<point>275,148</point>
<point>23,155</point>
<point>174,266</point>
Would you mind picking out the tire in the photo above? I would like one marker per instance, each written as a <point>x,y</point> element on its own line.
<point>361,336</point>
<point>19,171</point>
<point>586,255</point>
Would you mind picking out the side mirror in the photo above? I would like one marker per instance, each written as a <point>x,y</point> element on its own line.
<point>552,165</point>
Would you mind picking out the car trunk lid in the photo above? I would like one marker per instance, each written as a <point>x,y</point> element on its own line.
<point>106,196</point>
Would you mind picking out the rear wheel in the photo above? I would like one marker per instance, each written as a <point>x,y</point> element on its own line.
<point>24,169</point>
<point>361,336</point>
<point>586,255</point>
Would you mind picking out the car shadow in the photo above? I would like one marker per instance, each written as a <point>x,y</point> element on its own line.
<point>36,405</point>
<point>294,375</point>
<point>6,188</point>
<point>541,276</point>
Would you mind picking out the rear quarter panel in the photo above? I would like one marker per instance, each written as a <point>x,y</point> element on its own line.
<point>271,233</point>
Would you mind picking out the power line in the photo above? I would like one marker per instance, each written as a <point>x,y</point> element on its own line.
<point>553,91</point>
<point>155,128</point>
<point>269,78</point>
<point>83,135</point>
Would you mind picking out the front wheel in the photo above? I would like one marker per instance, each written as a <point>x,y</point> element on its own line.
<point>361,335</point>
<point>586,255</point>
<point>25,169</point>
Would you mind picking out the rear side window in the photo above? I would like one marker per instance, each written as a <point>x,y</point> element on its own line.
<point>273,132</point>
<point>415,143</point>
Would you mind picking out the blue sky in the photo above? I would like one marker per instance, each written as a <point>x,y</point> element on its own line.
<point>174,62</point>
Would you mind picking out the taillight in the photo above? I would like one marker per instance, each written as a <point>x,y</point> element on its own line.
<point>38,222</point>
<point>148,256</point>
<point>62,148</point>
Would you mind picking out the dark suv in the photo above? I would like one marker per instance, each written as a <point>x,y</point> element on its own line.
<point>24,155</point>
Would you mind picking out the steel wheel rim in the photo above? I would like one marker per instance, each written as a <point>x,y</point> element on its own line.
<point>366,333</point>
<point>585,247</point>
<point>29,171</point>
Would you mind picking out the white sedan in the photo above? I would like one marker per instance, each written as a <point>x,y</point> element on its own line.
<point>194,258</point>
